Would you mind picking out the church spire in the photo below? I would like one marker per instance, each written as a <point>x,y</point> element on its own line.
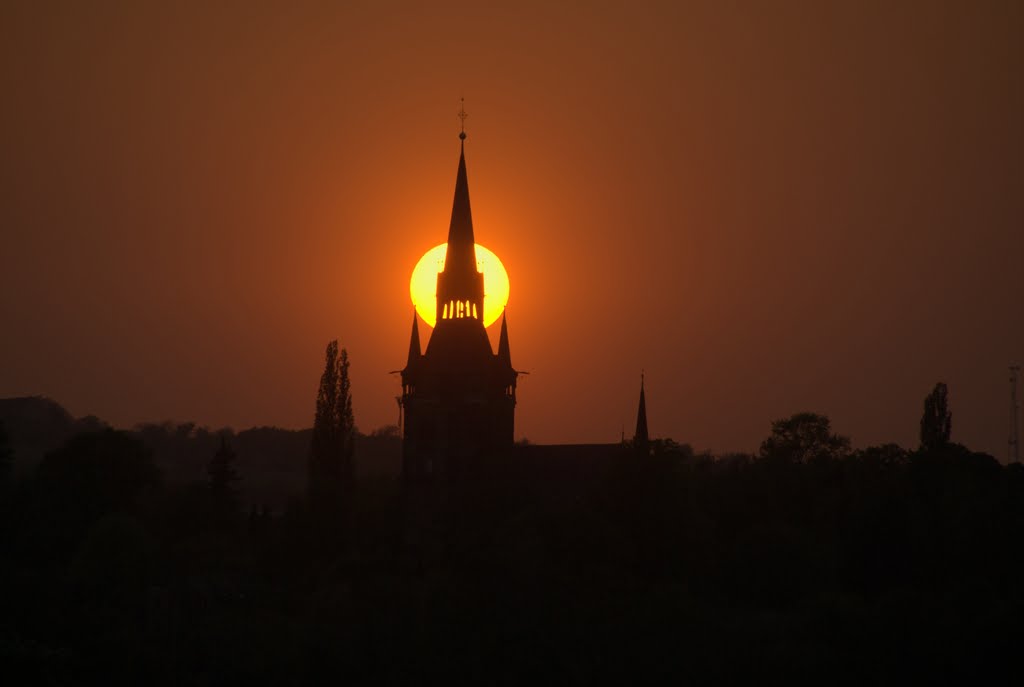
<point>641,440</point>
<point>460,285</point>
<point>461,255</point>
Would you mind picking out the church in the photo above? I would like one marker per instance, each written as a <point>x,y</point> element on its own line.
<point>459,396</point>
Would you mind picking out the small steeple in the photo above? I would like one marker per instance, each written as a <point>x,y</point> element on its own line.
<point>504,350</point>
<point>641,440</point>
<point>414,344</point>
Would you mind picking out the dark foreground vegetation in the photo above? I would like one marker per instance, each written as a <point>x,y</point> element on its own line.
<point>807,562</point>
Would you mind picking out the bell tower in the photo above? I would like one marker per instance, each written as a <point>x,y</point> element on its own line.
<point>458,397</point>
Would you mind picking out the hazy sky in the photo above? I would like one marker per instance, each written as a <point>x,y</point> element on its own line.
<point>770,207</point>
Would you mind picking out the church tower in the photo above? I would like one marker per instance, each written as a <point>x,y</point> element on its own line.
<point>458,397</point>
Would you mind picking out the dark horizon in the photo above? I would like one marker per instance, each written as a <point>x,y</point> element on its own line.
<point>170,555</point>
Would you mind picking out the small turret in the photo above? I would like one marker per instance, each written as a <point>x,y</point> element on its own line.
<point>415,352</point>
<point>504,350</point>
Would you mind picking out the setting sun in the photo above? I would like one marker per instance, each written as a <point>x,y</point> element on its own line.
<point>423,285</point>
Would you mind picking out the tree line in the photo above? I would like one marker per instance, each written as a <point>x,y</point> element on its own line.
<point>806,561</point>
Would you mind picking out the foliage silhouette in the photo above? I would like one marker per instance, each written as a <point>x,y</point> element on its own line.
<point>331,446</point>
<point>804,438</point>
<point>810,562</point>
<point>937,420</point>
<point>97,473</point>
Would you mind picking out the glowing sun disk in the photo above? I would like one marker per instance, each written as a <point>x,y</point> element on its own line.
<point>423,284</point>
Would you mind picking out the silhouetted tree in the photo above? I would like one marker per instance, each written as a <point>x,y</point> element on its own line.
<point>330,454</point>
<point>669,447</point>
<point>223,477</point>
<point>94,474</point>
<point>937,421</point>
<point>803,438</point>
<point>886,456</point>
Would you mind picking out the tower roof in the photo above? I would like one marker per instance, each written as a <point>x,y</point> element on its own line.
<point>460,287</point>
<point>461,254</point>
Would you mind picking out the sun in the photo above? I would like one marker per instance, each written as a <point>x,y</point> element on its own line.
<point>423,285</point>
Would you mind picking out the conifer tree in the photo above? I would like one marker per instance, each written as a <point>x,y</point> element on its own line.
<point>223,477</point>
<point>330,456</point>
<point>937,420</point>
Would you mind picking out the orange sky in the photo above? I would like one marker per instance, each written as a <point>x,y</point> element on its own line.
<point>771,207</point>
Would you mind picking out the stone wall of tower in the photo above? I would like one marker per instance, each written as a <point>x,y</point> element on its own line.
<point>444,435</point>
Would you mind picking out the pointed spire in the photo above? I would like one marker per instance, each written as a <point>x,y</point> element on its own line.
<point>641,440</point>
<point>461,254</point>
<point>414,343</point>
<point>460,285</point>
<point>504,350</point>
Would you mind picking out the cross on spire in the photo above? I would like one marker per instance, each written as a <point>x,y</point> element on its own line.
<point>462,118</point>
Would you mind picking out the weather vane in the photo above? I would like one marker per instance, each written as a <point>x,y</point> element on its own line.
<point>462,118</point>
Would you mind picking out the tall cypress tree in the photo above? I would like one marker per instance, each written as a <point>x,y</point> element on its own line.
<point>937,421</point>
<point>331,448</point>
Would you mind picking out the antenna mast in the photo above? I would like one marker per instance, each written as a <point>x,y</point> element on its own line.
<point>1014,442</point>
